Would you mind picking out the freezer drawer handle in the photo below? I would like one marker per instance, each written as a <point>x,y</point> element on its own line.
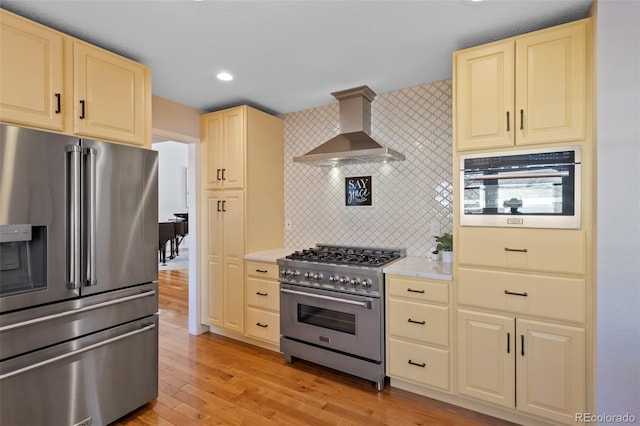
<point>364,304</point>
<point>74,353</point>
<point>77,311</point>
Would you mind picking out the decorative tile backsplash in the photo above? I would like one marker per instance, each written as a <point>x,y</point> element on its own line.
<point>407,195</point>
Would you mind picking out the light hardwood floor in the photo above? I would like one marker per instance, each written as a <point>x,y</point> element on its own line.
<point>213,380</point>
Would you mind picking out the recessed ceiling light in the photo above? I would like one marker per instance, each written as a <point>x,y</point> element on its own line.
<point>224,76</point>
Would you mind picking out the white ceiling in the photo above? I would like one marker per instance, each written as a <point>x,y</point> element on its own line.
<point>290,55</point>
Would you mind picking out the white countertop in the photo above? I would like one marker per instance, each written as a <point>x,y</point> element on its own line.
<point>421,267</point>
<point>270,255</point>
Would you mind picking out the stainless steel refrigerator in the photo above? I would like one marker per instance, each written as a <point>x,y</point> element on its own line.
<point>78,279</point>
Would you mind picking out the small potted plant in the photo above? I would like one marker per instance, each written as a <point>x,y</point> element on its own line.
<point>444,245</point>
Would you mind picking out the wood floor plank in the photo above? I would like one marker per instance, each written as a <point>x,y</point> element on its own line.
<point>214,380</point>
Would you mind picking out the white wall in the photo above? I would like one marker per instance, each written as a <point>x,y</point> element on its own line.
<point>618,97</point>
<point>173,161</point>
<point>408,195</point>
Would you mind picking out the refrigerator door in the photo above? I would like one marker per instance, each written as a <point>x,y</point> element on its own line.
<point>33,198</point>
<point>92,380</point>
<point>121,216</point>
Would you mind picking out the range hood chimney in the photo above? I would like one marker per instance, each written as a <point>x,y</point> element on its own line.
<point>353,145</point>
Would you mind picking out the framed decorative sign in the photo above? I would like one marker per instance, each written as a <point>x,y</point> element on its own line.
<point>357,191</point>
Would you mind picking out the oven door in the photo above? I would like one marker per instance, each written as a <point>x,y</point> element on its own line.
<point>343,322</point>
<point>525,190</point>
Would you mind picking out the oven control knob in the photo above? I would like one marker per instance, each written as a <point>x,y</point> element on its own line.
<point>355,282</point>
<point>308,275</point>
<point>333,278</point>
<point>296,274</point>
<point>366,283</point>
<point>344,280</point>
<point>286,272</point>
<point>318,277</point>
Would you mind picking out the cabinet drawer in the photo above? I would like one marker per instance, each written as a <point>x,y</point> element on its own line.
<point>419,321</point>
<point>557,298</point>
<point>262,269</point>
<point>417,289</point>
<point>263,325</point>
<point>422,364</point>
<point>263,294</point>
<point>545,250</point>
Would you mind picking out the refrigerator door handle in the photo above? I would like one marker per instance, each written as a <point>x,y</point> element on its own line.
<point>74,216</point>
<point>74,353</point>
<point>90,215</point>
<point>77,311</point>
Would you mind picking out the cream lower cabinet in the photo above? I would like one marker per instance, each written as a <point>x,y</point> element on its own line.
<point>263,301</point>
<point>225,259</point>
<point>417,324</point>
<point>533,366</point>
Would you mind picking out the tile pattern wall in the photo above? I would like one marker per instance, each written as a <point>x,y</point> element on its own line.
<point>407,195</point>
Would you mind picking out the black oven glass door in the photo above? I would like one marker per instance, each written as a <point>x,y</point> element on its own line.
<point>342,322</point>
<point>535,189</point>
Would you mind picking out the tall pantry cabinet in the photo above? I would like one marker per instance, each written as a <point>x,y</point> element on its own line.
<point>525,319</point>
<point>242,205</point>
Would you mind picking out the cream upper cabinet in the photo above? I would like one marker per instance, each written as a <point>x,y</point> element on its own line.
<point>109,95</point>
<point>534,367</point>
<point>52,81</point>
<point>525,90</point>
<point>224,133</point>
<point>225,259</point>
<point>31,73</point>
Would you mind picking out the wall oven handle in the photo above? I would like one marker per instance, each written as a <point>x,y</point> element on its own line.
<point>77,311</point>
<point>90,215</point>
<point>364,304</point>
<point>74,353</point>
<point>74,216</point>
<point>544,174</point>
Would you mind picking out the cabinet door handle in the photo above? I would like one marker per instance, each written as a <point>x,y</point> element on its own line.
<point>415,291</point>
<point>261,294</point>
<point>515,294</point>
<point>223,170</point>
<point>262,325</point>
<point>219,205</point>
<point>508,122</point>
<point>524,250</point>
<point>521,119</point>
<point>508,343</point>
<point>421,364</point>
<point>416,322</point>
<point>262,271</point>
<point>58,103</point>
<point>522,344</point>
<point>82,116</point>
<point>217,174</point>
<point>224,202</point>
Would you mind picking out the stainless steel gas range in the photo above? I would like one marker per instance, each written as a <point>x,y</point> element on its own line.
<point>332,308</point>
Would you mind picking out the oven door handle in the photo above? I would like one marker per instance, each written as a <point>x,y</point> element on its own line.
<point>365,304</point>
<point>563,173</point>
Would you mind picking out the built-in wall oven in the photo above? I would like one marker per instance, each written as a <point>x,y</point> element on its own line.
<point>332,308</point>
<point>532,188</point>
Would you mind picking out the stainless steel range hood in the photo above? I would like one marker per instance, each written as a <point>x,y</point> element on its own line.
<point>353,144</point>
